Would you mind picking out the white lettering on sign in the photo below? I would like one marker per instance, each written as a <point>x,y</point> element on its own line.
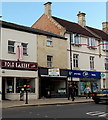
<point>18,65</point>
<point>93,74</point>
<point>77,73</point>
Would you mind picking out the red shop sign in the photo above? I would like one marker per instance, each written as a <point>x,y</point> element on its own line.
<point>6,64</point>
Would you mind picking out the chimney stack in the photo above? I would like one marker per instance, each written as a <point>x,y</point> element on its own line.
<point>105,27</point>
<point>81,19</point>
<point>48,8</point>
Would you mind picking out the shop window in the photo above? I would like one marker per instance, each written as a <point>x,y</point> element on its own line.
<point>75,60</point>
<point>24,45</point>
<point>106,63</point>
<point>49,41</point>
<point>11,46</point>
<point>21,82</point>
<point>91,62</point>
<point>49,61</point>
<point>10,85</point>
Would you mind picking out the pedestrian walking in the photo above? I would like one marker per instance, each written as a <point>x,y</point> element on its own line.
<point>87,92</point>
<point>71,92</point>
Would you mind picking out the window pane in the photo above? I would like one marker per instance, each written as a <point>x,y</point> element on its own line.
<point>21,82</point>
<point>75,60</point>
<point>10,85</point>
<point>49,41</point>
<point>24,45</point>
<point>11,46</point>
<point>49,61</point>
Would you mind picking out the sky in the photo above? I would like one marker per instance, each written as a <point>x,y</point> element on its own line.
<point>26,13</point>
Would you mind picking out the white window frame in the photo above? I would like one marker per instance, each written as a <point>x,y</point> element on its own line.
<point>49,41</point>
<point>75,60</point>
<point>91,42</point>
<point>92,62</point>
<point>25,48</point>
<point>10,46</point>
<point>75,39</point>
<point>104,46</point>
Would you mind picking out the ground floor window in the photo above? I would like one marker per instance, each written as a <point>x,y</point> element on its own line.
<point>93,84</point>
<point>20,82</point>
<point>10,85</point>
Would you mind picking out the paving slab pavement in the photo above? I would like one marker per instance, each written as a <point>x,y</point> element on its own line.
<point>40,102</point>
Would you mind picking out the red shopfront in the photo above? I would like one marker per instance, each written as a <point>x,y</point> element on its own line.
<point>15,74</point>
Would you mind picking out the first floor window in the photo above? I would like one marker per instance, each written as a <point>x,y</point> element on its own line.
<point>49,61</point>
<point>105,45</point>
<point>75,60</point>
<point>91,62</point>
<point>91,42</point>
<point>106,63</point>
<point>24,45</point>
<point>75,38</point>
<point>11,46</point>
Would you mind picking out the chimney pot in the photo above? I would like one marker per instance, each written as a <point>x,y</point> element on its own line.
<point>48,8</point>
<point>81,18</point>
<point>105,27</point>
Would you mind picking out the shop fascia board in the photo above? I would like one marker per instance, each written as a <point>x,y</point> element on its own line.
<point>53,76</point>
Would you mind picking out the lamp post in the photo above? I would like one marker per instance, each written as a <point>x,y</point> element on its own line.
<point>71,38</point>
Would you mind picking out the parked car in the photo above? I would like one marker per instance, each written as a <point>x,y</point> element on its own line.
<point>62,91</point>
<point>101,95</point>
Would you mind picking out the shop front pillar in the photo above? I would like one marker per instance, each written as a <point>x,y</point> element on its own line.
<point>14,85</point>
<point>0,88</point>
<point>37,87</point>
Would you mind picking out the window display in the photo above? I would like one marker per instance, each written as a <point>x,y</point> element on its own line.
<point>21,82</point>
<point>10,85</point>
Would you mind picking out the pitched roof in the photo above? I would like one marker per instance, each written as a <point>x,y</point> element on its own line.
<point>100,33</point>
<point>73,27</point>
<point>5,24</point>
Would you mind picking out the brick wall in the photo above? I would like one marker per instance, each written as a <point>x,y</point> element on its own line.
<point>44,23</point>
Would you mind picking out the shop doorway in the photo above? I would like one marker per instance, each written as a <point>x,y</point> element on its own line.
<point>53,87</point>
<point>3,89</point>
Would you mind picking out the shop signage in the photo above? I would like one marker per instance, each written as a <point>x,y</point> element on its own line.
<point>54,72</point>
<point>84,74</point>
<point>6,64</point>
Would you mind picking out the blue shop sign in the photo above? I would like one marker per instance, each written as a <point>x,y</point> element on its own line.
<point>84,74</point>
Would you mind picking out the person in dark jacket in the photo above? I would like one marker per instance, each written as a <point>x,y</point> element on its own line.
<point>71,92</point>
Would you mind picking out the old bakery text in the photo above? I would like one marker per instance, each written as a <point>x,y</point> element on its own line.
<point>18,65</point>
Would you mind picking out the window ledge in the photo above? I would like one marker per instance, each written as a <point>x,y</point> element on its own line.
<point>11,52</point>
<point>93,69</point>
<point>105,50</point>
<point>91,47</point>
<point>49,45</point>
<point>78,45</point>
<point>25,54</point>
<point>76,68</point>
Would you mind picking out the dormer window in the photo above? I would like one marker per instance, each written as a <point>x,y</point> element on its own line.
<point>91,42</point>
<point>105,45</point>
<point>75,39</point>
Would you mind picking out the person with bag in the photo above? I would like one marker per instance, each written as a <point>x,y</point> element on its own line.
<point>71,92</point>
<point>87,92</point>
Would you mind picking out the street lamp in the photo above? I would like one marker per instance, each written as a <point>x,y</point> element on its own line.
<point>71,38</point>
